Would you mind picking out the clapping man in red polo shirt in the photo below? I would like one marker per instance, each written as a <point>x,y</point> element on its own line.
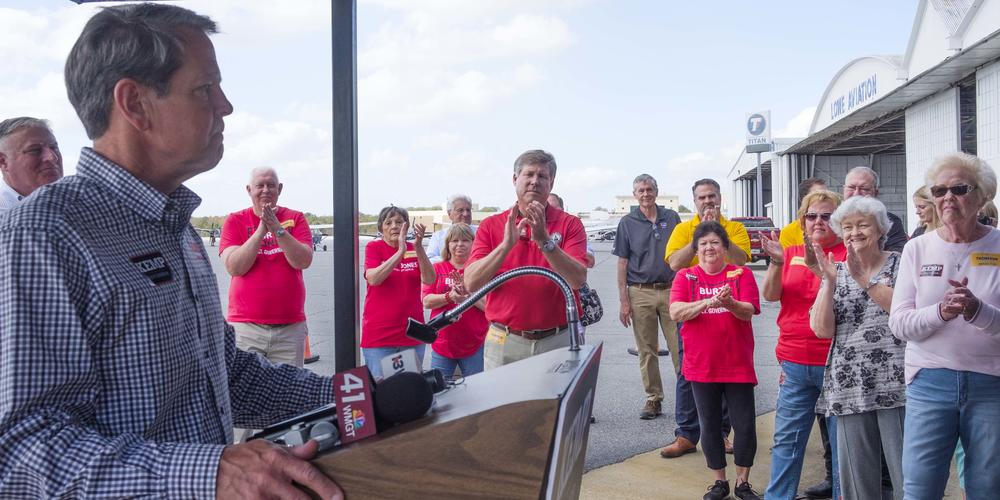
<point>265,248</point>
<point>527,314</point>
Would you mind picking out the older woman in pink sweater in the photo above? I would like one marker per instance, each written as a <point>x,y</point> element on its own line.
<point>946,305</point>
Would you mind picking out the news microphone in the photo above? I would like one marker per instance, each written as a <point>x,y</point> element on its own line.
<point>360,409</point>
<point>407,361</point>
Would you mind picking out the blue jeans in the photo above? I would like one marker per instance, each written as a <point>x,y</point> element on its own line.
<point>685,411</point>
<point>793,421</point>
<point>470,365</point>
<point>373,356</point>
<point>942,406</point>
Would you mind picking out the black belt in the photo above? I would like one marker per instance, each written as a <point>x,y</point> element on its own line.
<point>651,286</point>
<point>530,334</point>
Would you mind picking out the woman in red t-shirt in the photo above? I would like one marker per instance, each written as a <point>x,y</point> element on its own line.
<point>459,345</point>
<point>394,270</point>
<point>716,301</point>
<point>801,355</point>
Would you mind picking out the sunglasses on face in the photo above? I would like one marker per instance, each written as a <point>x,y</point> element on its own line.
<point>812,216</point>
<point>957,190</point>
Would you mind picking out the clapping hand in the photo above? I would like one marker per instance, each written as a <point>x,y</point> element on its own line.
<point>512,229</point>
<point>458,292</point>
<point>772,247</point>
<point>959,300</point>
<point>825,264</point>
<point>855,268</point>
<point>269,219</point>
<point>725,297</point>
<point>711,213</point>
<point>810,255</point>
<point>535,218</point>
<point>418,234</point>
<point>401,239</point>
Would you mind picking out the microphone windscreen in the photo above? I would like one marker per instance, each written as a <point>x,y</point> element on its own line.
<point>403,397</point>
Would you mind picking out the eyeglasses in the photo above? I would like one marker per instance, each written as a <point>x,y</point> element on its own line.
<point>957,190</point>
<point>811,216</point>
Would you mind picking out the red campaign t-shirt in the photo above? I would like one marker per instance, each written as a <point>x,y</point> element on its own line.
<point>796,341</point>
<point>464,337</point>
<point>272,292</point>
<point>718,347</point>
<point>389,304</point>
<point>529,302</point>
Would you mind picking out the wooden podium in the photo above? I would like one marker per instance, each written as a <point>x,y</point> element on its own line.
<point>519,431</point>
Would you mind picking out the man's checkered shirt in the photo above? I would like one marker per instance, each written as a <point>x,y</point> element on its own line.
<point>118,374</point>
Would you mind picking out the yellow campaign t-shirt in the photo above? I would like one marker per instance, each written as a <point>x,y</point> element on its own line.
<point>791,235</point>
<point>684,233</point>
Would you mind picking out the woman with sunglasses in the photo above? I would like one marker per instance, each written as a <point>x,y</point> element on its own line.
<point>947,306</point>
<point>801,355</point>
<point>863,380</point>
<point>927,216</point>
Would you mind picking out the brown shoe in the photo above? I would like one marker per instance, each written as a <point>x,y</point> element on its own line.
<point>680,446</point>
<point>729,445</point>
<point>651,410</point>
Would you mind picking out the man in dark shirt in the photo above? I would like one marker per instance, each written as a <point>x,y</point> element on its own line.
<point>644,285</point>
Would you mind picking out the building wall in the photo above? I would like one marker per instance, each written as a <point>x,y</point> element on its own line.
<point>931,130</point>
<point>931,44</point>
<point>988,114</point>
<point>984,23</point>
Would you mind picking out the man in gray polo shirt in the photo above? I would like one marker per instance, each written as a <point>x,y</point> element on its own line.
<point>644,281</point>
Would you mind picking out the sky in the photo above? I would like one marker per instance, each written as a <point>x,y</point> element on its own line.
<point>450,92</point>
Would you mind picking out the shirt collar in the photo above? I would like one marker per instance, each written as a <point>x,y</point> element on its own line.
<point>661,213</point>
<point>8,195</point>
<point>173,211</point>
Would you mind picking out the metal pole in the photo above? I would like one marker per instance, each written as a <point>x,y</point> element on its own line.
<point>345,184</point>
<point>760,190</point>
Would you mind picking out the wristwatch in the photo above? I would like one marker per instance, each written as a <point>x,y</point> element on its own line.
<point>549,245</point>
<point>280,232</point>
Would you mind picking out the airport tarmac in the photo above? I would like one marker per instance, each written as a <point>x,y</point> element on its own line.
<point>622,449</point>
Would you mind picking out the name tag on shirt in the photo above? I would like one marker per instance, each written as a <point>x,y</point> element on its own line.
<point>734,273</point>
<point>931,270</point>
<point>798,260</point>
<point>410,254</point>
<point>985,259</point>
<point>154,267</point>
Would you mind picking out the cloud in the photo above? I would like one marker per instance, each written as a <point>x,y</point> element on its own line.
<point>439,58</point>
<point>798,126</point>
<point>301,153</point>
<point>436,140</point>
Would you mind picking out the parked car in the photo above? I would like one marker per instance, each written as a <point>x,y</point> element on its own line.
<point>755,226</point>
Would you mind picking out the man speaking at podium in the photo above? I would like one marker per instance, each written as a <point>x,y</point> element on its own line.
<point>527,314</point>
<point>119,377</point>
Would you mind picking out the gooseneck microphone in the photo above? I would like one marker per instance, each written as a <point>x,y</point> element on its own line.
<point>427,333</point>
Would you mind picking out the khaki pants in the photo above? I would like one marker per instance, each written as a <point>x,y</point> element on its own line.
<point>502,348</point>
<point>651,311</point>
<point>277,343</point>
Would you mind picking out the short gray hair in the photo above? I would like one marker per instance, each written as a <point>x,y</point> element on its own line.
<point>261,170</point>
<point>535,157</point>
<point>11,125</point>
<point>982,175</point>
<point>139,41</point>
<point>457,197</point>
<point>647,179</point>
<point>863,169</point>
<point>863,205</point>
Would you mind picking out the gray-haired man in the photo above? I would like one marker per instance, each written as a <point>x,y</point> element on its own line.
<point>644,281</point>
<point>459,209</point>
<point>121,377</point>
<point>863,181</point>
<point>29,159</point>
